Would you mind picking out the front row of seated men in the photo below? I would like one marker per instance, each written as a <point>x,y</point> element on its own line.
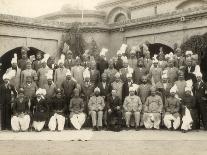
<point>39,111</point>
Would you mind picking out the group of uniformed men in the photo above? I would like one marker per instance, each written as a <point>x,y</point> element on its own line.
<point>130,90</point>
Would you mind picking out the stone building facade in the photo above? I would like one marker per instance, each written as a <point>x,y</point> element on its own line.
<point>163,22</point>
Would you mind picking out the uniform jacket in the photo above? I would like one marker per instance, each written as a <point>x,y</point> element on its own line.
<point>125,89</point>
<point>132,104</point>
<point>153,104</point>
<point>189,74</point>
<point>96,103</point>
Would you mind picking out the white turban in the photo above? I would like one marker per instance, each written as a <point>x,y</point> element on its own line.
<point>38,91</point>
<point>123,48</point>
<point>60,61</point>
<point>188,53</point>
<point>103,52</point>
<point>188,89</point>
<point>174,89</point>
<point>129,75</point>
<point>164,76</point>
<point>68,73</point>
<point>96,89</point>
<point>117,75</point>
<point>131,89</point>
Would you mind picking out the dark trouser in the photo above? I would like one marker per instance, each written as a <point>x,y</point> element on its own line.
<point>195,117</point>
<point>203,112</point>
<point>114,120</point>
<point>6,117</point>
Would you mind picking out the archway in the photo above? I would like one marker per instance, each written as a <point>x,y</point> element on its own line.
<point>155,49</point>
<point>120,18</point>
<point>5,60</point>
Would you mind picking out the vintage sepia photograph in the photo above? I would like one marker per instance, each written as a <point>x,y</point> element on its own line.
<point>103,77</point>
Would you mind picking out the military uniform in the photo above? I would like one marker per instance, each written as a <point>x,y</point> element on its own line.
<point>96,106</point>
<point>132,106</point>
<point>155,74</point>
<point>172,74</point>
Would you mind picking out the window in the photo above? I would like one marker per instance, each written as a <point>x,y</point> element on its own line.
<point>120,18</point>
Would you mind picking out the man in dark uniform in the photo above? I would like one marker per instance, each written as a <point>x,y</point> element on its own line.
<point>69,61</point>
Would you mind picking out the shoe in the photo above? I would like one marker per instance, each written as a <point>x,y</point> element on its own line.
<point>137,128</point>
<point>99,128</point>
<point>94,128</point>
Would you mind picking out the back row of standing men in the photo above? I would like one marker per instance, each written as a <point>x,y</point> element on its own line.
<point>165,90</point>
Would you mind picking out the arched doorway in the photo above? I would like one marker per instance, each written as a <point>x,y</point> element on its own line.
<point>5,60</point>
<point>155,49</point>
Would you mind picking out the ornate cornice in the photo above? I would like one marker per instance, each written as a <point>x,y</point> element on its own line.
<point>74,13</point>
<point>161,19</point>
<point>47,24</point>
<point>142,4</point>
<point>111,3</point>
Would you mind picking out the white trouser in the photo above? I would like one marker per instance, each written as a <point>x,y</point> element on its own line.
<point>20,123</point>
<point>152,120</point>
<point>169,118</point>
<point>78,120</point>
<point>38,125</point>
<point>56,120</point>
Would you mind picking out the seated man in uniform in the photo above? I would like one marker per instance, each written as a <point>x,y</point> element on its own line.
<point>96,106</point>
<point>132,106</point>
<point>152,110</point>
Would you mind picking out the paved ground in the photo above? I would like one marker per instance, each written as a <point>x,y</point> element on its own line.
<point>126,142</point>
